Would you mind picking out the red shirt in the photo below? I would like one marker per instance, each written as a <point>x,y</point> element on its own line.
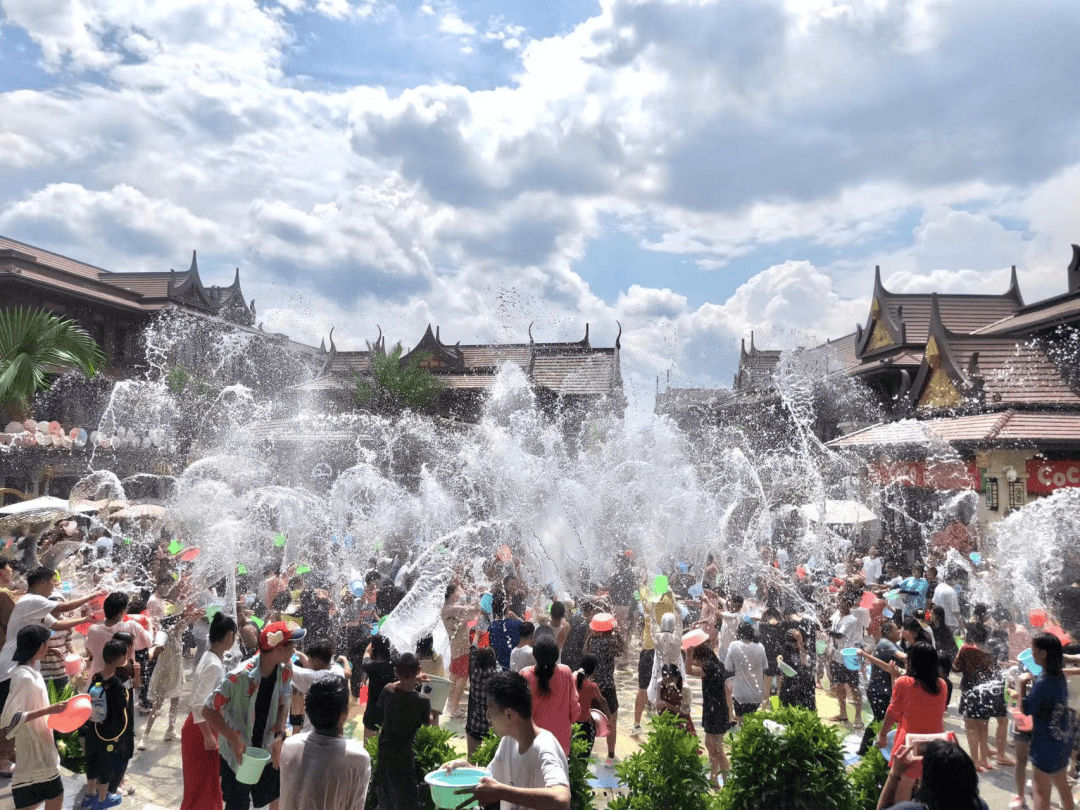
<point>916,711</point>
<point>557,710</point>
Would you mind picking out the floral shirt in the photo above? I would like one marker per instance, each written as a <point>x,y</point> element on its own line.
<point>235,700</point>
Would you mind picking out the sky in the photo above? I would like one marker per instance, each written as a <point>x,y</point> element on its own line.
<point>693,170</point>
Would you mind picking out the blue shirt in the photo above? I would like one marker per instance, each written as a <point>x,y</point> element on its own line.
<point>1051,740</point>
<point>503,636</point>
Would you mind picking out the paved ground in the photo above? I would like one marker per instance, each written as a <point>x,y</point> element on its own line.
<point>157,777</point>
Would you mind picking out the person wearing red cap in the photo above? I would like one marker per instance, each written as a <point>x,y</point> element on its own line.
<point>250,708</point>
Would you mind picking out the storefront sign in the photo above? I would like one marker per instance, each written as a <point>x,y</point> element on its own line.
<point>946,475</point>
<point>1046,476</point>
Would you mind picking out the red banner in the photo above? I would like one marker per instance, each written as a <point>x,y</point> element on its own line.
<point>945,475</point>
<point>1046,476</point>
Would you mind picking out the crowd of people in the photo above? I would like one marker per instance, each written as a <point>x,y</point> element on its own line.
<point>285,666</point>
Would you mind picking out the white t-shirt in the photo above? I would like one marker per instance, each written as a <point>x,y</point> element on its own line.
<point>323,773</point>
<point>302,680</point>
<point>945,596</point>
<point>30,609</point>
<point>543,765</point>
<point>208,675</point>
<point>38,758</point>
<point>521,657</point>
<point>851,630</point>
<point>747,660</point>
<point>871,569</point>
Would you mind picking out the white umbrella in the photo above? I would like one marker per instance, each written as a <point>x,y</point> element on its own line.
<point>44,503</point>
<point>838,513</point>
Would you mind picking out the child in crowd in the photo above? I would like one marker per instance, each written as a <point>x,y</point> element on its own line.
<point>589,697</point>
<point>106,752</point>
<point>671,695</point>
<point>378,672</point>
<point>482,668</point>
<point>522,655</point>
<point>403,711</point>
<point>715,712</point>
<point>37,777</point>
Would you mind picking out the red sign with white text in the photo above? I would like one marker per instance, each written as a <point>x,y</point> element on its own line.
<point>1046,476</point>
<point>945,475</point>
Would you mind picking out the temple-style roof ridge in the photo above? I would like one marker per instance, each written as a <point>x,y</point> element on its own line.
<point>190,289</point>
<point>900,321</point>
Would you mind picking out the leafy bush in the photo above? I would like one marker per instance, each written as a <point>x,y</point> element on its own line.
<point>485,752</point>
<point>581,792</point>
<point>69,746</point>
<point>868,778</point>
<point>801,768</point>
<point>431,748</point>
<point>396,386</point>
<point>668,772</point>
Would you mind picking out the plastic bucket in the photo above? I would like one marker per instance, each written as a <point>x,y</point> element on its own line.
<point>1022,721</point>
<point>444,786</point>
<point>851,658</point>
<point>774,700</point>
<point>437,690</point>
<point>72,717</point>
<point>255,760</point>
<point>1027,658</point>
<point>820,646</point>
<point>784,668</point>
<point>211,611</point>
<point>73,665</point>
<point>602,727</point>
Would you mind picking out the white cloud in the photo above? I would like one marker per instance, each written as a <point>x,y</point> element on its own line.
<point>451,23</point>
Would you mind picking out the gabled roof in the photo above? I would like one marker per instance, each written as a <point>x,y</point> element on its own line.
<point>899,320</point>
<point>961,370</point>
<point>983,428</point>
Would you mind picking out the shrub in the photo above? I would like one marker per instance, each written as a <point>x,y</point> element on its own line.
<point>801,768</point>
<point>868,778</point>
<point>431,748</point>
<point>668,772</point>
<point>69,746</point>
<point>485,752</point>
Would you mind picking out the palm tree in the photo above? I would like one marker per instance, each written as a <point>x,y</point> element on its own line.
<point>35,344</point>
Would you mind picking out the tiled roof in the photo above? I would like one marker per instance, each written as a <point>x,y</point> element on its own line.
<point>477,357</point>
<point>841,350</point>
<point>151,285</point>
<point>346,362</point>
<point>1038,316</point>
<point>1016,372</point>
<point>466,381</point>
<point>592,373</point>
<point>54,260</point>
<point>903,359</point>
<point>1005,426</point>
<point>690,397</point>
<point>960,313</point>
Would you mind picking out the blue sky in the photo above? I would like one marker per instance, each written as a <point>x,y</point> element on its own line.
<point>695,169</point>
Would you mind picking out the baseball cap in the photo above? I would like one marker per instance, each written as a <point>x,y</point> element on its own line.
<point>277,633</point>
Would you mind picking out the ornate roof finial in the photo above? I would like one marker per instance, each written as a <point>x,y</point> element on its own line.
<point>437,334</point>
<point>333,348</point>
<point>752,347</point>
<point>322,345</point>
<point>618,337</point>
<point>530,332</point>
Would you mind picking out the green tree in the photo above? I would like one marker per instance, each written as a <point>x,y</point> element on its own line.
<point>35,344</point>
<point>396,386</point>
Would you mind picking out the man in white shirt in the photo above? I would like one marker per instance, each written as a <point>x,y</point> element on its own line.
<point>872,567</point>
<point>746,658</point>
<point>320,769</point>
<point>846,632</point>
<point>317,659</point>
<point>946,598</point>
<point>529,770</point>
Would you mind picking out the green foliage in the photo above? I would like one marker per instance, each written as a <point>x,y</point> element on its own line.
<point>802,767</point>
<point>396,386</point>
<point>68,745</point>
<point>431,748</point>
<point>180,381</point>
<point>485,752</point>
<point>34,344</point>
<point>581,792</point>
<point>668,772</point>
<point>868,778</point>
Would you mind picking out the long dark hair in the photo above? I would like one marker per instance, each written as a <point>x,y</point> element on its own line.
<point>1051,645</point>
<point>923,667</point>
<point>949,780</point>
<point>588,667</point>
<point>546,653</point>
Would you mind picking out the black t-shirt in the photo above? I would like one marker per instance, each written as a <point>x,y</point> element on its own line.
<point>621,586</point>
<point>402,714</point>
<point>262,707</point>
<point>379,674</point>
<point>575,641</point>
<point>116,715</point>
